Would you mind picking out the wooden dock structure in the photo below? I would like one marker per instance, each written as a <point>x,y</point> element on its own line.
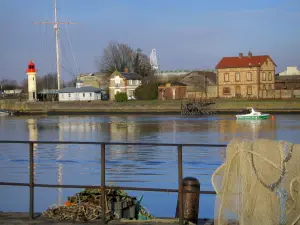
<point>197,106</point>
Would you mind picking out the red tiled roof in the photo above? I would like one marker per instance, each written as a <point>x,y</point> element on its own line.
<point>244,61</point>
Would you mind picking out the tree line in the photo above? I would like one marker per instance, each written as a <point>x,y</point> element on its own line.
<point>116,56</point>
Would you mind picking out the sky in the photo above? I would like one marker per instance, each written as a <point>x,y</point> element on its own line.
<point>187,34</point>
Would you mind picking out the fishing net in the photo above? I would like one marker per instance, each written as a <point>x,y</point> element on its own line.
<point>258,184</point>
<point>86,206</point>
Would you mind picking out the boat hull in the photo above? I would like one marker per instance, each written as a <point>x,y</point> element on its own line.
<point>250,117</point>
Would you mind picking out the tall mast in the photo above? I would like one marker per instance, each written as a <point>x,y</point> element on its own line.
<point>56,29</point>
<point>57,45</point>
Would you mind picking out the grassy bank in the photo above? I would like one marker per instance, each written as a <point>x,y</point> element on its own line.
<point>152,106</point>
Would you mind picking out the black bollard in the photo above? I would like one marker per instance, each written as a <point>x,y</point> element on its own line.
<point>190,199</point>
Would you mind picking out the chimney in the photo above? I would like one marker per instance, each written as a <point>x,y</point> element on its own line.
<point>240,55</point>
<point>126,70</point>
<point>249,54</point>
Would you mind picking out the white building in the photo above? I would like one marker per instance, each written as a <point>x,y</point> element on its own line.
<point>79,94</point>
<point>31,73</point>
<point>290,70</point>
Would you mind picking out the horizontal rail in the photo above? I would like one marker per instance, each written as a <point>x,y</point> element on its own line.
<point>98,186</point>
<point>103,187</point>
<point>111,143</point>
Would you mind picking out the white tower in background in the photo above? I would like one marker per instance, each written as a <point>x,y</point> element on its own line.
<point>31,73</point>
<point>153,60</point>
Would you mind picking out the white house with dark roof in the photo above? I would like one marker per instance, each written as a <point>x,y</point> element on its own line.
<point>78,93</point>
<point>125,82</point>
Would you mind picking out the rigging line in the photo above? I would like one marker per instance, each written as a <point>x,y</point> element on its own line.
<point>47,50</point>
<point>64,53</point>
<point>70,44</point>
<point>76,66</point>
<point>68,71</point>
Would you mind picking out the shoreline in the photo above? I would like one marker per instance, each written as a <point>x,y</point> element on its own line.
<point>209,112</point>
<point>148,107</point>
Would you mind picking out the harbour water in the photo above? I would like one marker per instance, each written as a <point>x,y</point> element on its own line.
<point>140,166</point>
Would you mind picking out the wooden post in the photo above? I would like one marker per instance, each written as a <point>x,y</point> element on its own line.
<point>191,196</point>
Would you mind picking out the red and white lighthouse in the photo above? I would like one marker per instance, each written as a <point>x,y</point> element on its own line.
<point>31,73</point>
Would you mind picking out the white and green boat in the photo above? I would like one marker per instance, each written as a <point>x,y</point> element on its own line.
<point>253,115</point>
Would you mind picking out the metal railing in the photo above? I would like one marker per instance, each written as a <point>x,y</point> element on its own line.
<point>32,184</point>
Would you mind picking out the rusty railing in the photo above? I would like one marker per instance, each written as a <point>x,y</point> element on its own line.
<point>32,184</point>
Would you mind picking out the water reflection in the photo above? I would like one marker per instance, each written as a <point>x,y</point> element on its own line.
<point>250,129</point>
<point>142,166</point>
<point>33,131</point>
<point>60,156</point>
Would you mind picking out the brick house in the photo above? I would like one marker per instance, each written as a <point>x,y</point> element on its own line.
<point>246,76</point>
<point>172,91</point>
<point>123,82</point>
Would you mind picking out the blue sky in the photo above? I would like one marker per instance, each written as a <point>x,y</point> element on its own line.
<point>186,34</point>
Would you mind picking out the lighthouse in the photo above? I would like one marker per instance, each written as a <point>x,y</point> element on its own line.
<point>31,73</point>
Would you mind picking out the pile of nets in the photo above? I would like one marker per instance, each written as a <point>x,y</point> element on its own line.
<point>259,183</point>
<point>86,206</point>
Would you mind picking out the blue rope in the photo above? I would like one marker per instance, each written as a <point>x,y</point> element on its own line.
<point>282,195</point>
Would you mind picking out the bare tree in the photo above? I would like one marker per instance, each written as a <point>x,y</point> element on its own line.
<point>48,81</point>
<point>71,83</point>
<point>7,84</point>
<point>119,56</point>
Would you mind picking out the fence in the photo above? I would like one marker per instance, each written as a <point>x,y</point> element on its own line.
<point>32,184</point>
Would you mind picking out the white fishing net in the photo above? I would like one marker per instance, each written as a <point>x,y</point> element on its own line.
<point>258,184</point>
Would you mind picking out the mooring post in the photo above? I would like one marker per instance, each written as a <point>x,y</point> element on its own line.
<point>103,182</point>
<point>180,189</point>
<point>31,181</point>
<point>191,197</point>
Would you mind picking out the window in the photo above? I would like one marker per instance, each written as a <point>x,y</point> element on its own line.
<point>90,94</point>
<point>226,91</point>
<point>249,90</point>
<point>69,95</point>
<point>264,76</point>
<point>270,76</point>
<point>131,93</point>
<point>137,82</point>
<point>249,76</point>
<point>270,87</point>
<point>130,82</point>
<point>237,77</point>
<point>226,77</point>
<point>83,94</point>
<point>117,80</point>
<point>33,78</point>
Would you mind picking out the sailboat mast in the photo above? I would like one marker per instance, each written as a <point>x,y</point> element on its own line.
<point>57,45</point>
<point>56,29</point>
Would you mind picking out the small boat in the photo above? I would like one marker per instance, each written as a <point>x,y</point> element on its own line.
<point>253,115</point>
<point>5,113</point>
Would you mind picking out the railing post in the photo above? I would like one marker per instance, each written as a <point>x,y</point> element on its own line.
<point>103,182</point>
<point>31,181</point>
<point>180,189</point>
